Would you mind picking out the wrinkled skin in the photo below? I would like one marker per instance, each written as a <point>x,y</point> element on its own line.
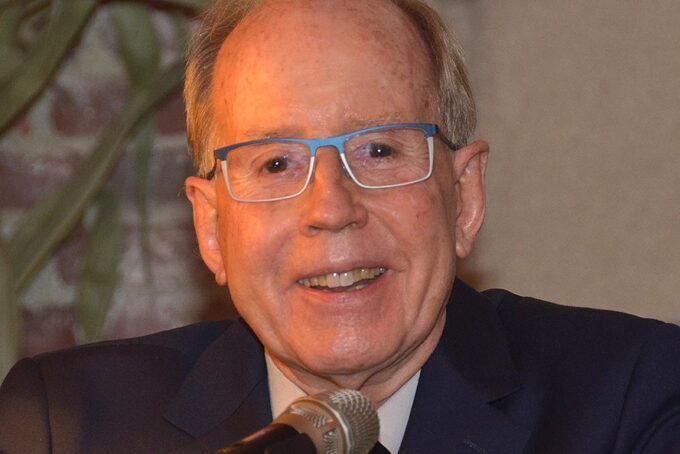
<point>293,70</point>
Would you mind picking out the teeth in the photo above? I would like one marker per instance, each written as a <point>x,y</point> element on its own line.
<point>343,279</point>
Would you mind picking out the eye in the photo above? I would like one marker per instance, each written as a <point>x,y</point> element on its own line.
<point>380,150</point>
<point>276,165</point>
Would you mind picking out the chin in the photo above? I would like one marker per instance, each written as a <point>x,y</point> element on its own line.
<point>343,355</point>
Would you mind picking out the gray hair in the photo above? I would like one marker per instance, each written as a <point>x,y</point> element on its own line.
<point>456,106</point>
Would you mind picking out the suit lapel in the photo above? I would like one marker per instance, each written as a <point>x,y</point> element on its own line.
<point>226,395</point>
<point>469,370</point>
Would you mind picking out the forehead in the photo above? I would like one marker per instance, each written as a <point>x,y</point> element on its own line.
<point>327,65</point>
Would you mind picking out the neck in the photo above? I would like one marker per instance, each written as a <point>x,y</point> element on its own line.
<point>377,383</point>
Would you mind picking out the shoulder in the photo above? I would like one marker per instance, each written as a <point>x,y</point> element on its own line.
<point>163,351</point>
<point>162,358</point>
<point>559,329</point>
<point>186,342</point>
<point>165,356</point>
<point>129,382</point>
<point>613,371</point>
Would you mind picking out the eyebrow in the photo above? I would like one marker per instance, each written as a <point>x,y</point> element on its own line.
<point>263,133</point>
<point>353,124</point>
<point>362,123</point>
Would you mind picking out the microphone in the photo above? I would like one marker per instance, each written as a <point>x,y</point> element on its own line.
<point>332,422</point>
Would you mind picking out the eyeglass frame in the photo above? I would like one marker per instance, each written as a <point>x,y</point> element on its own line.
<point>337,142</point>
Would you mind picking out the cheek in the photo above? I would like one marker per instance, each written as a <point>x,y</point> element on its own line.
<point>234,238</point>
<point>432,211</point>
<point>247,253</point>
<point>443,192</point>
<point>253,240</point>
<point>428,238</point>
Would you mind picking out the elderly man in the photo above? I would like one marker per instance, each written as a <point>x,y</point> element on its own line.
<point>337,189</point>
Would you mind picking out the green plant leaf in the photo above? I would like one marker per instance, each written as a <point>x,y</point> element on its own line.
<point>181,27</point>
<point>140,50</point>
<point>48,223</point>
<point>10,53</point>
<point>68,17</point>
<point>10,338</point>
<point>36,18</point>
<point>99,276</point>
<point>34,5</point>
<point>142,146</point>
<point>194,5</point>
<point>137,41</point>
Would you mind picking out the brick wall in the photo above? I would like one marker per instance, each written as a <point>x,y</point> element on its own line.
<point>44,148</point>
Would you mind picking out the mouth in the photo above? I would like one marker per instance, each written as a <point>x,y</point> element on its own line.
<point>345,281</point>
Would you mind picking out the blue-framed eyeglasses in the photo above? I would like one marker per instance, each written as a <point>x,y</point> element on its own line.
<point>380,157</point>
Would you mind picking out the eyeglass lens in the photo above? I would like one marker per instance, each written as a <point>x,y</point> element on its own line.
<point>277,169</point>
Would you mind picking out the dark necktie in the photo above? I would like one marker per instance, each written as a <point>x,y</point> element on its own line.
<point>379,449</point>
<point>290,447</point>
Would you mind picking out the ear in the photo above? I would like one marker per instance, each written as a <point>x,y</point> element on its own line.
<point>201,194</point>
<point>469,165</point>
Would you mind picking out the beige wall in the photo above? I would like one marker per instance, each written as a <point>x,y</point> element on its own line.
<point>580,101</point>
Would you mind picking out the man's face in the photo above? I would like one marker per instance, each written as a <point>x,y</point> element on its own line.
<point>318,69</point>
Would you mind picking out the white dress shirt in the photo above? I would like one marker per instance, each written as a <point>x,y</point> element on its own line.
<point>393,413</point>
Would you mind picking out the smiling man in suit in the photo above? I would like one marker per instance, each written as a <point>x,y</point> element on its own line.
<point>337,188</point>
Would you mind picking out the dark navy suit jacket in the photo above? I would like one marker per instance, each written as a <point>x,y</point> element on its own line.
<point>510,375</point>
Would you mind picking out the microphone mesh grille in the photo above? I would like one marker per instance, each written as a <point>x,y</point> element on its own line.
<point>360,417</point>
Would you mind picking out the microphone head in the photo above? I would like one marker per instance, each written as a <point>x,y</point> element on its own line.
<point>338,422</point>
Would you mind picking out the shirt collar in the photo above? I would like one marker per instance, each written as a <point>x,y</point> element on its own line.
<point>393,413</point>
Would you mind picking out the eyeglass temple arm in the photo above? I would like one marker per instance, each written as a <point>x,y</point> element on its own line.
<point>448,142</point>
<point>210,175</point>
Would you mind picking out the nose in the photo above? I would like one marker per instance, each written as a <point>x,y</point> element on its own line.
<point>332,201</point>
